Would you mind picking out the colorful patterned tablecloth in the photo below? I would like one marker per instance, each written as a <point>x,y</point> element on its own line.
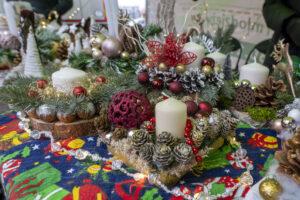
<point>30,171</point>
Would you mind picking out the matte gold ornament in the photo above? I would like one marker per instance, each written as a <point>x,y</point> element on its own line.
<point>97,54</point>
<point>162,67</point>
<point>125,55</point>
<point>218,68</point>
<point>207,70</point>
<point>180,68</point>
<point>270,189</point>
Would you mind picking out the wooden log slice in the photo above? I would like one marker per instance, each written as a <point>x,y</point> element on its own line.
<point>62,130</point>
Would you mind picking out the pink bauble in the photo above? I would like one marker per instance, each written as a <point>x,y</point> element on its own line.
<point>192,107</point>
<point>111,47</point>
<point>129,109</point>
<point>176,87</point>
<point>206,106</point>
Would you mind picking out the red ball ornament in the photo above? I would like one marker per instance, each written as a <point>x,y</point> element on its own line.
<point>192,107</point>
<point>32,93</point>
<point>152,120</point>
<point>208,61</point>
<point>187,135</point>
<point>150,128</point>
<point>195,150</point>
<point>79,91</point>
<point>157,83</point>
<point>201,113</point>
<point>165,97</point>
<point>101,79</point>
<point>187,130</point>
<point>129,109</point>
<point>42,84</point>
<point>190,142</point>
<point>143,78</point>
<point>176,87</point>
<point>189,126</point>
<point>198,158</point>
<point>206,106</point>
<point>188,121</point>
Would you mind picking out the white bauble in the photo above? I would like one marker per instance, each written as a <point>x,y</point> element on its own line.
<point>295,114</point>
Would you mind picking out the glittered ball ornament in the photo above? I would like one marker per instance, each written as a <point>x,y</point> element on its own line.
<point>42,84</point>
<point>208,61</point>
<point>176,87</point>
<point>111,47</point>
<point>79,91</point>
<point>205,106</point>
<point>207,70</point>
<point>100,79</point>
<point>97,54</point>
<point>143,78</point>
<point>129,109</point>
<point>192,107</point>
<point>270,189</point>
<point>180,68</point>
<point>162,67</point>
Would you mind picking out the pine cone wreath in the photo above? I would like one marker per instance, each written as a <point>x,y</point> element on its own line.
<point>244,97</point>
<point>146,151</point>
<point>166,138</point>
<point>119,133</point>
<point>265,94</point>
<point>62,51</point>
<point>17,59</point>
<point>183,153</point>
<point>162,156</point>
<point>139,139</point>
<point>289,158</point>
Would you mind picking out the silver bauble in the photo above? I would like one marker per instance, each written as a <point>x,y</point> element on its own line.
<point>111,47</point>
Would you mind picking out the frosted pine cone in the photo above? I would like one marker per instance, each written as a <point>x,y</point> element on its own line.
<point>197,137</point>
<point>165,138</point>
<point>146,152</point>
<point>166,76</point>
<point>228,123</point>
<point>193,80</point>
<point>183,153</point>
<point>162,156</point>
<point>119,133</point>
<point>139,139</point>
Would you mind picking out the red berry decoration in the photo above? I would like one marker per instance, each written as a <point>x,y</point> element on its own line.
<point>176,87</point>
<point>198,158</point>
<point>152,120</point>
<point>187,129</point>
<point>208,61</point>
<point>101,79</point>
<point>190,142</point>
<point>150,128</point>
<point>188,121</point>
<point>157,83</point>
<point>129,109</point>
<point>192,107</point>
<point>195,150</point>
<point>206,106</point>
<point>143,78</point>
<point>165,97</point>
<point>79,91</point>
<point>32,93</point>
<point>42,84</point>
<point>187,135</point>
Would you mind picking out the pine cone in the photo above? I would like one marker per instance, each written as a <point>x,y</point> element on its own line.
<point>146,152</point>
<point>214,124</point>
<point>167,77</point>
<point>162,156</point>
<point>281,113</point>
<point>17,59</point>
<point>228,123</point>
<point>166,138</point>
<point>183,153</point>
<point>119,133</point>
<point>289,158</point>
<point>197,137</point>
<point>103,122</point>
<point>193,81</point>
<point>139,139</point>
<point>62,51</point>
<point>265,94</point>
<point>202,124</point>
<point>244,97</point>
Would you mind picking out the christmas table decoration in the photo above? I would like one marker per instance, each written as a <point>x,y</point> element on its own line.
<point>256,73</point>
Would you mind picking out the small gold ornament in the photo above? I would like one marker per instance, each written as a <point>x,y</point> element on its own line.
<point>97,54</point>
<point>270,189</point>
<point>180,68</point>
<point>162,67</point>
<point>125,55</point>
<point>218,68</point>
<point>95,42</point>
<point>245,83</point>
<point>207,70</point>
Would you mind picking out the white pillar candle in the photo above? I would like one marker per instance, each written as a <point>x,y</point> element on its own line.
<point>196,49</point>
<point>66,79</point>
<point>256,73</point>
<point>171,116</point>
<point>218,57</point>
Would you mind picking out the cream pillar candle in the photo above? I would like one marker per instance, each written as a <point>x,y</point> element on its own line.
<point>256,73</point>
<point>218,57</point>
<point>196,49</point>
<point>171,116</point>
<point>66,79</point>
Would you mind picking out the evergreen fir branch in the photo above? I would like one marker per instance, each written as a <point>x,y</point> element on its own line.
<point>227,90</point>
<point>283,98</point>
<point>123,66</point>
<point>210,94</point>
<point>50,68</point>
<point>151,30</point>
<point>83,61</point>
<point>21,81</point>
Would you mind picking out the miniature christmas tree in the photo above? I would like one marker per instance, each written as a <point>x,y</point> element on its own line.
<point>33,63</point>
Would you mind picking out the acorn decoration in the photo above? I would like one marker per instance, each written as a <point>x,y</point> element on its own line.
<point>119,133</point>
<point>165,138</point>
<point>183,153</point>
<point>146,152</point>
<point>66,117</point>
<point>162,156</point>
<point>244,95</point>
<point>139,139</point>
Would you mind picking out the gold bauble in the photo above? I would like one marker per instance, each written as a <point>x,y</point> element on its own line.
<point>125,55</point>
<point>180,68</point>
<point>218,68</point>
<point>207,70</point>
<point>162,67</point>
<point>97,54</point>
<point>270,189</point>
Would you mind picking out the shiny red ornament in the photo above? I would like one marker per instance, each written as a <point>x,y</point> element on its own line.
<point>176,87</point>
<point>190,142</point>
<point>189,126</point>
<point>206,106</point>
<point>188,121</point>
<point>79,91</point>
<point>208,61</point>
<point>42,84</point>
<point>191,107</point>
<point>195,150</point>
<point>187,135</point>
<point>198,158</point>
<point>152,120</point>
<point>187,130</point>
<point>150,128</point>
<point>32,93</point>
<point>101,79</point>
<point>158,84</point>
<point>143,78</point>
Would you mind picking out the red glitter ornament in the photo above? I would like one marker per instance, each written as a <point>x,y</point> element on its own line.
<point>195,150</point>
<point>128,109</point>
<point>190,142</point>
<point>143,78</point>
<point>32,93</point>
<point>198,158</point>
<point>206,106</point>
<point>101,79</point>
<point>187,135</point>
<point>208,61</point>
<point>157,83</point>
<point>176,87</point>
<point>42,84</point>
<point>79,91</point>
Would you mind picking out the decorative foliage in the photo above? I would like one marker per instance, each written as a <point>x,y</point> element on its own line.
<point>151,30</point>
<point>282,99</point>
<point>121,65</point>
<point>210,94</point>
<point>261,114</point>
<point>227,90</point>
<point>83,61</point>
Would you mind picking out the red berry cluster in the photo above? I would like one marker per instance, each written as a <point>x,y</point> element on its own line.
<point>151,126</point>
<point>190,141</point>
